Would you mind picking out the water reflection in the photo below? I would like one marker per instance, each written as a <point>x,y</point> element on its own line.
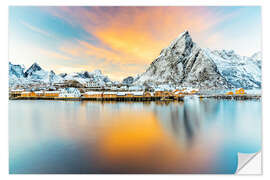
<point>152,137</point>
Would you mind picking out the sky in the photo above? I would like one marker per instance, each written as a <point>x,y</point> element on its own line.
<point>123,41</point>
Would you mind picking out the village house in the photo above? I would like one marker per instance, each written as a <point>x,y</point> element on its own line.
<point>16,92</point>
<point>240,91</point>
<point>70,92</point>
<point>110,94</point>
<point>93,94</point>
<point>28,94</point>
<point>229,93</point>
<point>147,94</point>
<point>51,93</point>
<point>39,93</point>
<point>138,94</point>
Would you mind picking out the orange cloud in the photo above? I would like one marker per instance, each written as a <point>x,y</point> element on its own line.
<point>133,35</point>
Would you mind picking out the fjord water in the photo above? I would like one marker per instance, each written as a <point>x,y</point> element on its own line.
<point>195,136</point>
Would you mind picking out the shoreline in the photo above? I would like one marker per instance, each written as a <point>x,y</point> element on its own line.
<point>153,98</point>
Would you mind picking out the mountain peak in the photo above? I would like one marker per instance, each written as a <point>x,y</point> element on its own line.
<point>97,72</point>
<point>184,40</point>
<point>184,33</point>
<point>35,65</point>
<point>33,68</point>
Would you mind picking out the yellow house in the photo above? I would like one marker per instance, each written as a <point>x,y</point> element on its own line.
<point>138,94</point>
<point>147,94</point>
<point>166,93</point>
<point>93,94</point>
<point>178,93</point>
<point>229,93</point>
<point>240,91</point>
<point>158,93</point>
<point>28,94</point>
<point>39,93</point>
<point>129,94</point>
<point>51,93</point>
<point>109,94</point>
<point>194,91</point>
<point>175,91</point>
<point>16,92</point>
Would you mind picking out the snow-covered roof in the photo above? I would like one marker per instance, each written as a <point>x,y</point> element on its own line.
<point>121,93</point>
<point>177,92</point>
<point>159,89</point>
<point>93,92</point>
<point>39,92</point>
<point>17,90</point>
<point>109,92</point>
<point>51,92</point>
<point>137,93</point>
<point>136,88</point>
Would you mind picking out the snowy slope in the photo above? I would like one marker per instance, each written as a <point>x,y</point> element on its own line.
<point>183,63</point>
<point>36,75</point>
<point>240,71</point>
<point>83,77</point>
<point>16,74</point>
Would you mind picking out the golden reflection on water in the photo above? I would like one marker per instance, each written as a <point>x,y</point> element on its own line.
<point>136,142</point>
<point>125,140</point>
<point>131,137</point>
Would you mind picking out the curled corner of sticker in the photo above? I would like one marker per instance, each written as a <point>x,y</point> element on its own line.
<point>249,163</point>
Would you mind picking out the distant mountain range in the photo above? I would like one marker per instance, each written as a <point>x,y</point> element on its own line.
<point>35,75</point>
<point>182,63</point>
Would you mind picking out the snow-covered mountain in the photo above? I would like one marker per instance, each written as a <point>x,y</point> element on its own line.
<point>184,63</point>
<point>16,74</point>
<point>240,71</point>
<point>36,75</point>
<point>96,77</point>
<point>129,80</point>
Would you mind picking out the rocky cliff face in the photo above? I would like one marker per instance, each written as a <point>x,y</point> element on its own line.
<point>129,80</point>
<point>184,63</point>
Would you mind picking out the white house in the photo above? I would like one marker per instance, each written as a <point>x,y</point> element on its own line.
<point>70,92</point>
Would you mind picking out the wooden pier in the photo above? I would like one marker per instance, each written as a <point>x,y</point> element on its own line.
<point>152,98</point>
<point>128,97</point>
<point>232,97</point>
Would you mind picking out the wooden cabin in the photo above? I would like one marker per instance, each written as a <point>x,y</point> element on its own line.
<point>93,94</point>
<point>158,93</point>
<point>16,92</point>
<point>51,93</point>
<point>121,94</point>
<point>194,91</point>
<point>28,94</point>
<point>240,91</point>
<point>129,94</point>
<point>39,93</point>
<point>229,93</point>
<point>178,93</point>
<point>138,94</point>
<point>110,94</point>
<point>147,94</point>
<point>166,94</point>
